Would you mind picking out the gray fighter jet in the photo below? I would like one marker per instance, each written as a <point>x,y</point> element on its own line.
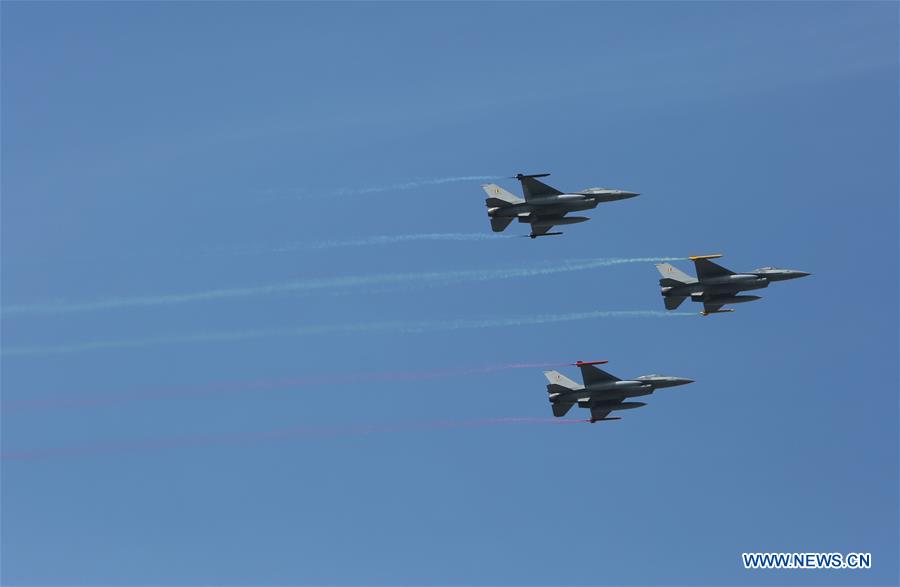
<point>715,285</point>
<point>543,207</point>
<point>602,393</point>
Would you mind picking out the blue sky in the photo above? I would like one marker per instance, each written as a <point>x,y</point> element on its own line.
<point>280,436</point>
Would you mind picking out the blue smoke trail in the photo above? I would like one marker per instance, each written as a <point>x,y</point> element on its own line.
<point>396,326</point>
<point>419,279</point>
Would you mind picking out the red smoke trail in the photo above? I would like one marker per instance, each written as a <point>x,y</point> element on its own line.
<point>183,442</point>
<point>226,387</point>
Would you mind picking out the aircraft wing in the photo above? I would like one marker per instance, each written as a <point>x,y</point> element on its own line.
<point>592,374</point>
<point>532,188</point>
<point>541,224</point>
<point>540,230</point>
<point>706,268</point>
<point>673,302</point>
<point>599,413</point>
<point>499,223</point>
<point>561,409</point>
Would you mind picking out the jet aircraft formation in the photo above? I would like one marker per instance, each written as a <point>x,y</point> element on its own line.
<point>544,207</point>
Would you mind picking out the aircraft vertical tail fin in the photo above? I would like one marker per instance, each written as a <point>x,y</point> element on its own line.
<point>558,379</point>
<point>670,273</point>
<point>498,197</point>
<point>559,384</point>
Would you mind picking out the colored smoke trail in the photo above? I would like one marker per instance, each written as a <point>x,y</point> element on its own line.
<point>413,184</point>
<point>331,379</point>
<point>328,283</point>
<point>289,434</point>
<point>405,327</point>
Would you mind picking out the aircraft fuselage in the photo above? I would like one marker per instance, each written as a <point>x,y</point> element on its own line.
<point>607,390</point>
<point>719,285</point>
<point>548,206</point>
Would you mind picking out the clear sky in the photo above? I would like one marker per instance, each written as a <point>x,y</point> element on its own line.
<point>214,372</point>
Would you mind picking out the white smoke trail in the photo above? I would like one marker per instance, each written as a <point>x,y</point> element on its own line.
<point>387,239</point>
<point>396,326</point>
<point>419,279</point>
<point>403,238</point>
<point>539,319</point>
<point>413,184</point>
<point>304,193</point>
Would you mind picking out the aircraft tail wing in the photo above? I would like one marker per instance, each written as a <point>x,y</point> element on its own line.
<point>555,378</point>
<point>561,409</point>
<point>499,223</point>
<point>559,383</point>
<point>673,275</point>
<point>672,302</point>
<point>497,197</point>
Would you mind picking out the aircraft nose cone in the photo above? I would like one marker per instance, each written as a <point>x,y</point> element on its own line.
<point>802,273</point>
<point>630,194</point>
<point>661,382</point>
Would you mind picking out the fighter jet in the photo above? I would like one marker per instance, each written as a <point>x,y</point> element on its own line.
<point>715,285</point>
<point>602,393</point>
<point>543,207</point>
